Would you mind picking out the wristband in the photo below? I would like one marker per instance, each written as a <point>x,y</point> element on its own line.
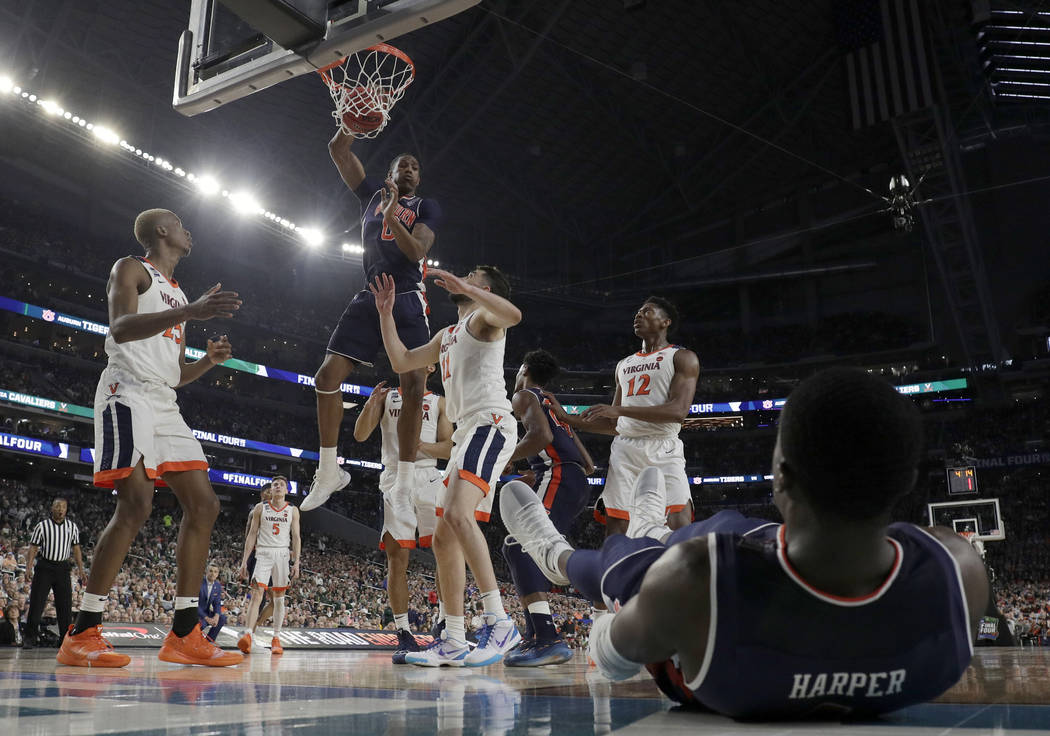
<point>609,662</point>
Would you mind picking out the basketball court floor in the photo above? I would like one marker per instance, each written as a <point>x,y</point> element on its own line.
<point>1006,691</point>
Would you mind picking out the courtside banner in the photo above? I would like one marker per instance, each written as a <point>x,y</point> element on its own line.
<point>152,635</point>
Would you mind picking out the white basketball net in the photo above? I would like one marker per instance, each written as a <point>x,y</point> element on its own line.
<point>365,86</point>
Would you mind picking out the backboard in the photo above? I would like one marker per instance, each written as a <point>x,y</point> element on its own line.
<point>979,516</point>
<point>223,57</point>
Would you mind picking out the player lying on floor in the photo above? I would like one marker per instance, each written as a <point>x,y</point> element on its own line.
<point>836,611</point>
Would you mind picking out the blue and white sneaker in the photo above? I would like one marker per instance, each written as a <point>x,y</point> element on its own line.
<point>534,653</point>
<point>494,640</point>
<point>405,643</point>
<point>443,652</point>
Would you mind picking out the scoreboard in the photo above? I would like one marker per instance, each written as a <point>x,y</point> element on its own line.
<point>962,480</point>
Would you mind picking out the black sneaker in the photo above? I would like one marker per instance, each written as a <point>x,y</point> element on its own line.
<point>405,643</point>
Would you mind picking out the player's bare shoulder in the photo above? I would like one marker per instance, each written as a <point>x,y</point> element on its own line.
<point>129,270</point>
<point>686,361</point>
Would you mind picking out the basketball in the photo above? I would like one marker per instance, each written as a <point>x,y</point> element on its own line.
<point>365,123</point>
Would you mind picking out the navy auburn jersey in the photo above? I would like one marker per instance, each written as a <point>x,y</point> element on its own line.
<point>780,648</point>
<point>381,252</point>
<point>562,449</point>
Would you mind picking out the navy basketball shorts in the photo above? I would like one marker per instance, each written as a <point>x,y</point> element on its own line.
<point>614,573</point>
<point>358,337</point>
<point>564,492</point>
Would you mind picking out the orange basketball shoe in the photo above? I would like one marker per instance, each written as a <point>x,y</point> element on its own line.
<point>275,646</point>
<point>245,642</point>
<point>195,649</point>
<point>89,649</point>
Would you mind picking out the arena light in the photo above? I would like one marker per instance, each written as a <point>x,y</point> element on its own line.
<point>311,236</point>
<point>206,184</point>
<point>106,135</point>
<point>347,248</point>
<point>50,107</point>
<point>244,203</point>
<point>7,85</point>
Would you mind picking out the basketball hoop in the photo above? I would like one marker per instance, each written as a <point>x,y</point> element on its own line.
<point>365,86</point>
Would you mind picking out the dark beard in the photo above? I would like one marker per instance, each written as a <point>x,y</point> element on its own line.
<point>458,299</point>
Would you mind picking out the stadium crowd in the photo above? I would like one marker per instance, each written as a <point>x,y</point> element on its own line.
<point>342,584</point>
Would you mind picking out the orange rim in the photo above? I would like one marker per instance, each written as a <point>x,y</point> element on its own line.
<point>384,47</point>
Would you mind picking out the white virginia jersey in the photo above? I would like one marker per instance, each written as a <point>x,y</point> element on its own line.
<point>388,428</point>
<point>472,372</point>
<point>275,527</point>
<point>644,379</point>
<point>153,359</point>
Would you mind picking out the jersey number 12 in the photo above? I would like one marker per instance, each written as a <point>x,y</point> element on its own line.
<point>643,385</point>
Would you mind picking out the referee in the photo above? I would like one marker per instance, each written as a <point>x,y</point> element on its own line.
<point>54,538</point>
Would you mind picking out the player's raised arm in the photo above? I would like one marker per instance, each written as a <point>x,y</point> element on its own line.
<point>402,360</point>
<point>348,164</point>
<point>218,352</point>
<point>371,412</point>
<point>493,310</point>
<point>415,244</point>
<point>537,429</point>
<point>974,574</point>
<point>126,280</point>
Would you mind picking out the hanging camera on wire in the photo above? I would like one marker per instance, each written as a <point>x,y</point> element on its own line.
<point>902,202</point>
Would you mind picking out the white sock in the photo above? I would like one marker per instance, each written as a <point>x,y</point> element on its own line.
<point>441,611</point>
<point>185,602</point>
<point>454,629</point>
<point>405,472</point>
<point>401,621</point>
<point>93,603</point>
<point>329,460</point>
<point>542,607</point>
<point>493,604</point>
<point>278,614</point>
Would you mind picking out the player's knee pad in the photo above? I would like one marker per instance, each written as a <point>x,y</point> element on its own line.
<point>527,577</point>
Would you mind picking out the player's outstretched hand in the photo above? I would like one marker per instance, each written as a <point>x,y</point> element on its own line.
<point>600,411</point>
<point>389,195</point>
<point>214,303</point>
<point>383,291</point>
<point>450,282</point>
<point>379,392</point>
<point>220,350</point>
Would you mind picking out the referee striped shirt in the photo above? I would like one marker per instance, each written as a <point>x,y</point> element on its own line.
<point>55,540</point>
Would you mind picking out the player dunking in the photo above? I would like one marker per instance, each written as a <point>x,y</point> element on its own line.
<point>654,388</point>
<point>470,357</point>
<point>836,612</point>
<point>398,535</point>
<point>275,527</point>
<point>560,465</point>
<point>397,231</point>
<point>267,609</point>
<point>140,436</point>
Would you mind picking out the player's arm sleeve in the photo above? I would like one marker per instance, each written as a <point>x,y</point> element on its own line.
<point>430,214</point>
<point>367,189</point>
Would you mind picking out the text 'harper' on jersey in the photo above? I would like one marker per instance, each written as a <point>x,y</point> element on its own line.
<point>848,684</point>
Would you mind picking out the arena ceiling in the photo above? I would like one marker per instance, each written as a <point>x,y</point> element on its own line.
<point>560,137</point>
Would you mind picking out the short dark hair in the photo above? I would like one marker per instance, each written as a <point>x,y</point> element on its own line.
<point>853,441</point>
<point>668,309</point>
<point>279,477</point>
<point>543,366</point>
<point>398,157</point>
<point>498,281</point>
